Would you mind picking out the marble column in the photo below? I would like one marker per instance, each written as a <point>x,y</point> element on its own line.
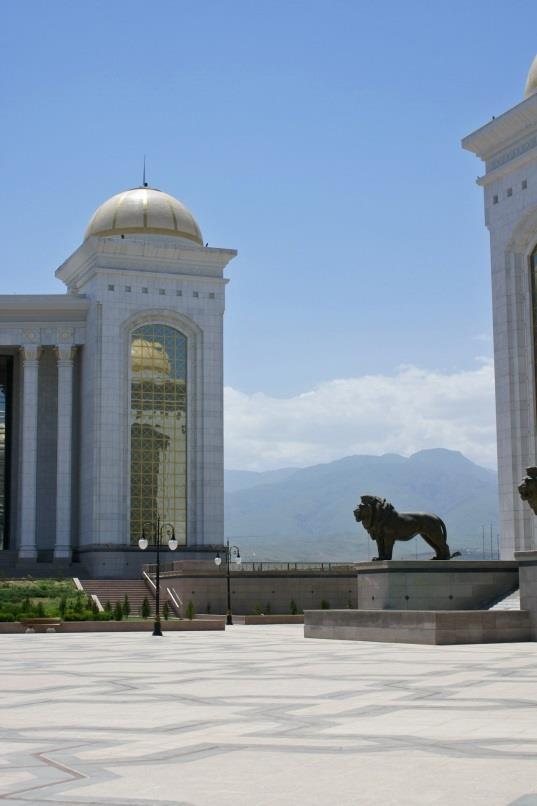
<point>30,376</point>
<point>63,547</point>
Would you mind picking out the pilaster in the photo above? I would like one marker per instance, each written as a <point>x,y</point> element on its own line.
<point>30,375</point>
<point>65,355</point>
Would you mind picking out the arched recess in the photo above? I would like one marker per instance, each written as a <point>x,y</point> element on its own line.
<point>170,433</point>
<point>524,236</point>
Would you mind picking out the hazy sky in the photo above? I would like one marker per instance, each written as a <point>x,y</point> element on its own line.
<point>320,139</point>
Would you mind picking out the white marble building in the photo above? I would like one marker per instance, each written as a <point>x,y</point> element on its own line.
<point>508,147</point>
<point>111,395</point>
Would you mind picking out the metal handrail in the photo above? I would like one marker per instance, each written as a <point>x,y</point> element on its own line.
<point>261,566</point>
<point>149,581</point>
<point>175,600</point>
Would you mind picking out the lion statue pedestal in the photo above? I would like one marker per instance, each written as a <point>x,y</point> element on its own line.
<point>442,585</point>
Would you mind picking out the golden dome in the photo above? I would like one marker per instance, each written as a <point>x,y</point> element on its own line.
<point>531,81</point>
<point>144,210</point>
<point>149,358</point>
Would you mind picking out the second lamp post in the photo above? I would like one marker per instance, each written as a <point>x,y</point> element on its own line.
<point>231,554</point>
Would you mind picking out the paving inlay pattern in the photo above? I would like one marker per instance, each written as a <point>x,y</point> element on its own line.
<point>260,716</point>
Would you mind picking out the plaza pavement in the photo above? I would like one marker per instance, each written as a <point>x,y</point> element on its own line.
<point>260,716</point>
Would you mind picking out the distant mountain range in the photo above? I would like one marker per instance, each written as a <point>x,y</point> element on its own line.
<point>307,514</point>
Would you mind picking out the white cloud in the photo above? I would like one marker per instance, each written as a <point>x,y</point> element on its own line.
<point>401,413</point>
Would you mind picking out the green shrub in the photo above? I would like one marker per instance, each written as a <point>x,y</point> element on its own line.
<point>107,606</point>
<point>166,611</point>
<point>145,609</point>
<point>190,610</point>
<point>293,609</point>
<point>325,605</point>
<point>72,615</point>
<point>126,606</point>
<point>21,598</point>
<point>94,609</point>
<point>257,610</point>
<point>79,604</point>
<point>118,612</point>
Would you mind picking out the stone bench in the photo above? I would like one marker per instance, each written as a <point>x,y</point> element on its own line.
<point>41,624</point>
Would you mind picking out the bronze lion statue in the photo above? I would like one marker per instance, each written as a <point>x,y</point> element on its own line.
<point>528,488</point>
<point>385,525</point>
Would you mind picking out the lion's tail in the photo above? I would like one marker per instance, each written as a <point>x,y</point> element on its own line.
<point>444,530</point>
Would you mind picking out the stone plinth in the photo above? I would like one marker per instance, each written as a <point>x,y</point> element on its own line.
<point>528,585</point>
<point>434,584</point>
<point>420,626</point>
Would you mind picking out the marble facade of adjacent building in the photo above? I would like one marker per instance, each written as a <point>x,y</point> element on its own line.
<point>111,395</point>
<point>508,147</point>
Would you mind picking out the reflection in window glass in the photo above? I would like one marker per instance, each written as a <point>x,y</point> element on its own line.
<point>158,430</point>
<point>534,314</point>
<point>5,401</point>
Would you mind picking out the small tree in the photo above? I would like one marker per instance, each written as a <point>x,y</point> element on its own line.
<point>40,610</point>
<point>126,607</point>
<point>146,610</point>
<point>190,610</point>
<point>293,609</point>
<point>166,611</point>
<point>257,609</point>
<point>118,612</point>
<point>107,606</point>
<point>94,609</point>
<point>79,604</point>
<point>325,605</point>
<point>63,606</point>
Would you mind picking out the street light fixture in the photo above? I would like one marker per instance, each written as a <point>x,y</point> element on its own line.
<point>158,530</point>
<point>231,554</point>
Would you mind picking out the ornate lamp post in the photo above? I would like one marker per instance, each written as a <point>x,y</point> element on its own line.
<point>158,529</point>
<point>231,554</point>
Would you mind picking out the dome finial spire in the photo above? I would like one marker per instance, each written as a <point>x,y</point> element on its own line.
<point>144,183</point>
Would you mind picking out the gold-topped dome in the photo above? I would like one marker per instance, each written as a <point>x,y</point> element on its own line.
<point>149,358</point>
<point>531,81</point>
<point>144,210</point>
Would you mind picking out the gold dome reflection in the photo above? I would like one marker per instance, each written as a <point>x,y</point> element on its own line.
<point>149,357</point>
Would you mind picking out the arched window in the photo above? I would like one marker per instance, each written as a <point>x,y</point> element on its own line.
<point>158,433</point>
<point>533,277</point>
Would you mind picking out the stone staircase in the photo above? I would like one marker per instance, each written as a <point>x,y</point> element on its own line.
<point>114,590</point>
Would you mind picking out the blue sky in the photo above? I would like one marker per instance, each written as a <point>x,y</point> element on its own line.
<point>320,139</point>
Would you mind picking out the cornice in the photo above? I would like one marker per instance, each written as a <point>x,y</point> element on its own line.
<point>514,125</point>
<point>116,254</point>
<point>43,303</point>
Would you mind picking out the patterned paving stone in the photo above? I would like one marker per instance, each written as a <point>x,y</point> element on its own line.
<point>260,716</point>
